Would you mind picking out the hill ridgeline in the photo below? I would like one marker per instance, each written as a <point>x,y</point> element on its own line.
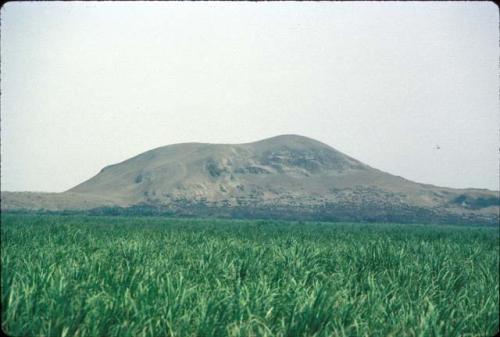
<point>284,177</point>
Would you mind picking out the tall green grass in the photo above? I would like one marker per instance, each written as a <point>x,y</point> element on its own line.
<point>118,276</point>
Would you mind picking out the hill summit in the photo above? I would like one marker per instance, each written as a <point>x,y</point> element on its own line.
<point>288,176</point>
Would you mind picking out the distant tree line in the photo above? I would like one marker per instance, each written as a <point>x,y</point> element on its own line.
<point>327,212</point>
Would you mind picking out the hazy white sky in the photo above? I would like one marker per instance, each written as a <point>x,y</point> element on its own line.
<point>85,85</point>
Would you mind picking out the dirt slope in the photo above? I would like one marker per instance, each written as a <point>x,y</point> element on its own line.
<point>286,176</point>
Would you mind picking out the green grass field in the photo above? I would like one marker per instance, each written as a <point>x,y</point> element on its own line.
<point>126,276</point>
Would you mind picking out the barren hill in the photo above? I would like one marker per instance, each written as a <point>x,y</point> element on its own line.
<point>286,176</point>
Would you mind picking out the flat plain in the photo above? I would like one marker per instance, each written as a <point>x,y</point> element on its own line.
<point>154,276</point>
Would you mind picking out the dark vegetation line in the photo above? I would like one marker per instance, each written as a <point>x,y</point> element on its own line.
<point>329,213</point>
